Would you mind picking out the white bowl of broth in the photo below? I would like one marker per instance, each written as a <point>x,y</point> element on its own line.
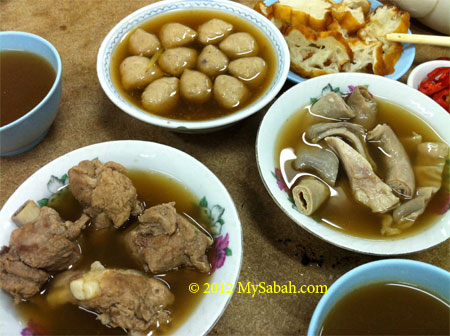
<point>198,194</point>
<point>341,220</point>
<point>386,297</point>
<point>190,116</point>
<point>31,90</point>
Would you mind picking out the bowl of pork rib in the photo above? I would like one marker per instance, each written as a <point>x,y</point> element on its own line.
<point>360,161</point>
<point>115,238</point>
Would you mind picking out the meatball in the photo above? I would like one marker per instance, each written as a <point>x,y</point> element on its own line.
<point>195,86</point>
<point>214,31</point>
<point>162,95</point>
<point>212,61</point>
<point>239,45</point>
<point>176,35</point>
<point>143,43</point>
<point>229,91</point>
<point>136,73</point>
<point>250,70</point>
<point>174,61</point>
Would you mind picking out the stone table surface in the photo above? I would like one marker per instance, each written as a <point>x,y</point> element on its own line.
<point>275,248</point>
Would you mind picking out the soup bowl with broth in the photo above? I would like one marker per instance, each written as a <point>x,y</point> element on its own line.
<point>204,65</point>
<point>31,90</point>
<point>346,219</point>
<point>198,195</point>
<point>386,297</point>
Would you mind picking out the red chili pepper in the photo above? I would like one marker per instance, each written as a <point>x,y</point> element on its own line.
<point>433,75</point>
<point>442,98</point>
<point>437,80</point>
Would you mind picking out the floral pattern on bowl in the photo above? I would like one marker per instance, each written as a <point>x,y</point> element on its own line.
<point>299,96</point>
<point>142,155</point>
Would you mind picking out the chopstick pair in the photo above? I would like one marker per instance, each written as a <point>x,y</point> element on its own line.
<point>443,41</point>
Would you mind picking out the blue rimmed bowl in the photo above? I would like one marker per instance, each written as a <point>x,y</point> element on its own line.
<point>30,129</point>
<point>142,15</point>
<point>429,278</point>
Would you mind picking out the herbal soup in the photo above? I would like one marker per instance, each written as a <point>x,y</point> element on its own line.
<point>193,65</point>
<point>25,79</point>
<point>43,312</point>
<point>388,309</point>
<point>343,174</point>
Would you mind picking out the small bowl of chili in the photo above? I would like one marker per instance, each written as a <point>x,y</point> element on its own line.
<point>433,79</point>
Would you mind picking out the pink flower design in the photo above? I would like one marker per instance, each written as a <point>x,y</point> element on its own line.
<point>280,181</point>
<point>220,252</point>
<point>33,329</point>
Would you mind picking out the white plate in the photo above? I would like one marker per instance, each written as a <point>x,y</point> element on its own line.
<point>143,156</point>
<point>299,96</point>
<point>401,67</point>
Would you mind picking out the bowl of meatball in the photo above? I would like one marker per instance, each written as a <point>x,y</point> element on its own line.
<point>193,66</point>
<point>114,238</point>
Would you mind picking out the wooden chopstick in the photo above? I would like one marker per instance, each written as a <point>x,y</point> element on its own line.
<point>420,39</point>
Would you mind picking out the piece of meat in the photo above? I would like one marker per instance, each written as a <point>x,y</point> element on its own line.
<point>47,243</point>
<point>351,132</point>
<point>123,298</point>
<point>40,245</point>
<point>413,208</point>
<point>212,61</point>
<point>162,95</point>
<point>230,92</point>
<point>165,240</point>
<point>429,164</point>
<point>399,172</point>
<point>250,70</point>
<point>318,160</point>
<point>214,31</point>
<point>107,194</point>
<point>364,106</point>
<point>332,106</point>
<point>19,279</point>
<point>367,187</point>
<point>239,45</point>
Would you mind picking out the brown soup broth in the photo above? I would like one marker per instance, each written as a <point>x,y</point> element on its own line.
<point>193,19</point>
<point>334,212</point>
<point>108,247</point>
<point>388,309</point>
<point>25,79</point>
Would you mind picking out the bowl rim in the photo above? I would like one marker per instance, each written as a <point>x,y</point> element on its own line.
<point>203,125</point>
<point>58,71</point>
<point>422,66</point>
<point>73,157</point>
<point>367,246</point>
<point>372,268</point>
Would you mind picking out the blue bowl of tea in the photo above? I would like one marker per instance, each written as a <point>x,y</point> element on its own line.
<point>30,90</point>
<point>386,297</point>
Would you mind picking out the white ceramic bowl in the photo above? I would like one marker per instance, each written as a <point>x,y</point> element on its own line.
<point>299,96</point>
<point>144,14</point>
<point>420,72</point>
<point>430,278</point>
<point>144,156</point>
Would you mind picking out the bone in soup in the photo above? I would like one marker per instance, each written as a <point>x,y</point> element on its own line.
<point>364,166</point>
<point>193,65</point>
<point>102,271</point>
